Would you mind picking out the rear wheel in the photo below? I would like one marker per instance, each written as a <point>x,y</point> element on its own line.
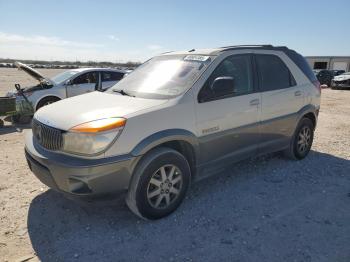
<point>159,184</point>
<point>302,140</point>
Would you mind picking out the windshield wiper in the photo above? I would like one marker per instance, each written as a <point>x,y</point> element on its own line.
<point>122,92</point>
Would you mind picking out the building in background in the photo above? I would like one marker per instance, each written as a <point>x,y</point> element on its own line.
<point>329,62</point>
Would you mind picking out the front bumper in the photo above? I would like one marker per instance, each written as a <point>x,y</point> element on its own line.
<point>340,84</point>
<point>77,176</point>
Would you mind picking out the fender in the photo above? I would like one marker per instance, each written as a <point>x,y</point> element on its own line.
<point>166,136</point>
<point>305,110</point>
<point>55,91</point>
<point>47,95</point>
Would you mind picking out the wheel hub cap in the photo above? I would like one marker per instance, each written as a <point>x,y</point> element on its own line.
<point>304,139</point>
<point>164,186</point>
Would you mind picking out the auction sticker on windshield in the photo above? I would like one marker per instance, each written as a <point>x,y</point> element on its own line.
<point>200,58</point>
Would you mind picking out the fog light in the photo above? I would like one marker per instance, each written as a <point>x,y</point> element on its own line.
<point>77,186</point>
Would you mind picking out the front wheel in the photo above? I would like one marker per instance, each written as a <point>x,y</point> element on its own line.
<point>46,101</point>
<point>159,184</point>
<point>302,140</point>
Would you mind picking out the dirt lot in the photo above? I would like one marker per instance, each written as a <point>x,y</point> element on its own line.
<point>264,209</point>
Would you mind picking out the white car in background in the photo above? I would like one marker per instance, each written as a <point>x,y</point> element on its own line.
<point>67,84</point>
<point>341,81</point>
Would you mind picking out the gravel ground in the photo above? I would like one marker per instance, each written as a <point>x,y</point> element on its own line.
<point>263,209</point>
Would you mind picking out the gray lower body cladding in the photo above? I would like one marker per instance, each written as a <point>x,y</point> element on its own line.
<point>222,149</point>
<point>79,176</point>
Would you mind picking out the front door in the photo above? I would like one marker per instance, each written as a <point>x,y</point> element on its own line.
<point>110,78</point>
<point>228,126</point>
<point>84,83</point>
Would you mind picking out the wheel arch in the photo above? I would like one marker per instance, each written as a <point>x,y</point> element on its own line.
<point>183,141</point>
<point>312,117</point>
<point>46,97</point>
<point>310,112</point>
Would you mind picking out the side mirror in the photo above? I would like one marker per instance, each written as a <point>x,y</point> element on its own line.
<point>69,82</point>
<point>223,85</point>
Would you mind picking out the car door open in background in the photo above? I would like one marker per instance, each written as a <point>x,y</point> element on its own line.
<point>83,83</point>
<point>109,79</point>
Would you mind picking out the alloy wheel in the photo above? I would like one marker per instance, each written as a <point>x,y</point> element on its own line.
<point>164,186</point>
<point>304,139</point>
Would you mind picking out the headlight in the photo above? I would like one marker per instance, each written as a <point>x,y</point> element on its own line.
<point>11,94</point>
<point>92,137</point>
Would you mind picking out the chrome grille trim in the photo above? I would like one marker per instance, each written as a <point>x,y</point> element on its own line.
<point>48,137</point>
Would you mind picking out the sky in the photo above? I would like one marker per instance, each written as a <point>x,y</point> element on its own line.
<point>121,31</point>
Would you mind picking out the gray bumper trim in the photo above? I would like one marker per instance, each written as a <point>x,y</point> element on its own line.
<point>79,176</point>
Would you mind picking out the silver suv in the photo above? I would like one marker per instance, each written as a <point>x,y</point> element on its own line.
<point>179,117</point>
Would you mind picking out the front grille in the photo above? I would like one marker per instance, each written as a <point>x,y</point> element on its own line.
<point>48,137</point>
<point>343,82</point>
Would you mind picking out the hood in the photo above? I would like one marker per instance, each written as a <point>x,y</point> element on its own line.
<point>88,107</point>
<point>32,72</point>
<point>341,77</point>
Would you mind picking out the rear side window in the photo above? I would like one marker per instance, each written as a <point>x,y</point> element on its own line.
<point>111,76</point>
<point>301,62</point>
<point>273,73</point>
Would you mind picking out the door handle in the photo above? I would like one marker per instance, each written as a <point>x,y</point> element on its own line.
<point>297,93</point>
<point>254,102</point>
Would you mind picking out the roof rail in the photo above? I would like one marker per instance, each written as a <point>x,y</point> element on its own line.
<point>233,46</point>
<point>270,47</point>
<point>167,52</point>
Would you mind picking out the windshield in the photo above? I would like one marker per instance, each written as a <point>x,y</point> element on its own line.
<point>63,76</point>
<point>347,73</point>
<point>163,77</point>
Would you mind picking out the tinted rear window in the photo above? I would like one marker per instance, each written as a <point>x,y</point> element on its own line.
<point>273,73</point>
<point>301,62</point>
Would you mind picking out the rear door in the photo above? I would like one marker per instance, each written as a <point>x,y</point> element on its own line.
<point>110,78</point>
<point>281,99</point>
<point>228,126</point>
<point>84,83</point>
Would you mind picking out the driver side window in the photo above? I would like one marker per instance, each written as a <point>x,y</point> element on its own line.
<point>87,78</point>
<point>237,67</point>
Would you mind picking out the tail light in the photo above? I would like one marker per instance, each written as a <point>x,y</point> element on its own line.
<point>317,84</point>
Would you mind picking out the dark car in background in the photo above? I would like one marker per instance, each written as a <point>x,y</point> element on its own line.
<point>337,72</point>
<point>325,76</point>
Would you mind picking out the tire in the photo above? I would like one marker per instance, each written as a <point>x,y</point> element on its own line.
<point>46,101</point>
<point>302,140</point>
<point>150,195</point>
